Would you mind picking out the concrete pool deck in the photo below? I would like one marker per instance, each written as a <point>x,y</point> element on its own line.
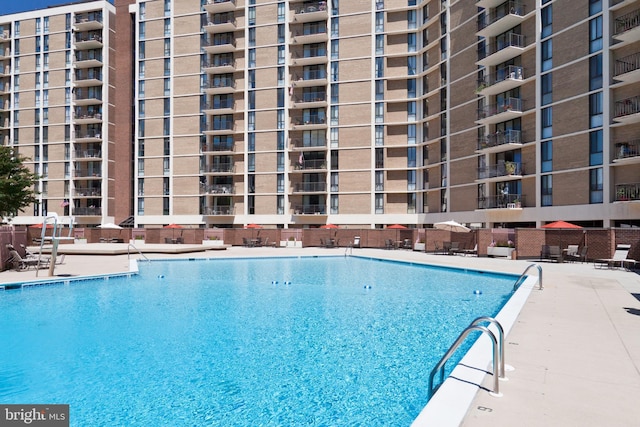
<point>575,346</point>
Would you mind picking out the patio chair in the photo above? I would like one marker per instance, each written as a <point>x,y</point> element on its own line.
<point>389,244</point>
<point>18,263</point>
<point>555,253</point>
<point>579,256</point>
<point>619,259</point>
<point>473,251</point>
<point>356,242</point>
<point>29,254</point>
<point>454,248</point>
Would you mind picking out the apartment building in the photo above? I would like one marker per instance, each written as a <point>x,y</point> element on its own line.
<point>219,113</point>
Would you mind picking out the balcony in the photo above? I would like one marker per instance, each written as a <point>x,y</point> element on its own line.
<point>627,111</point>
<point>5,53</point>
<point>501,19</point>
<point>88,97</point>
<point>310,100</point>
<point>303,165</point>
<point>310,12</point>
<point>5,87</point>
<point>88,41</point>
<point>310,187</point>
<point>219,44</point>
<point>5,37</point>
<point>224,189</point>
<point>5,70</point>
<point>220,107</point>
<point>88,59</point>
<point>627,152</point>
<point>502,170</point>
<point>627,69</point>
<point>508,109</point>
<point>224,168</point>
<point>219,66</point>
<point>218,148</point>
<point>301,145</point>
<point>89,154</point>
<point>308,123</point>
<point>310,210</point>
<point>88,135</point>
<point>307,36</point>
<point>220,128</point>
<point>489,4</point>
<point>219,210</point>
<point>84,116</point>
<point>87,211</point>
<point>312,56</point>
<point>503,49</point>
<point>500,141</point>
<point>86,173</point>
<point>310,78</point>
<point>502,80</point>
<point>219,86</point>
<point>88,77</point>
<point>88,21</point>
<point>87,192</point>
<point>220,6</point>
<point>626,28</point>
<point>627,192</point>
<point>221,23</point>
<point>507,201</point>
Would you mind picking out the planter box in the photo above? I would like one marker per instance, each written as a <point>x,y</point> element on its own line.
<point>80,241</point>
<point>419,247</point>
<point>213,242</point>
<point>136,242</point>
<point>290,243</point>
<point>500,251</point>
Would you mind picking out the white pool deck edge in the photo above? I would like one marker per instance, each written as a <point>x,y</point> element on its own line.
<point>575,345</point>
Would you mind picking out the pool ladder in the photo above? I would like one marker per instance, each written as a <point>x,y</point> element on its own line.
<point>517,284</point>
<point>131,245</point>
<point>498,353</point>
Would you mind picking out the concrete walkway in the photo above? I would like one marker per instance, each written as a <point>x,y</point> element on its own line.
<point>575,347</point>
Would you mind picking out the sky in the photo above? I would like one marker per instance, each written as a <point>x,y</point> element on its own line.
<point>14,6</point>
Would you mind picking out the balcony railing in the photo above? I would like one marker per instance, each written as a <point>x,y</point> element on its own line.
<point>217,126</point>
<point>227,146</point>
<point>88,154</point>
<point>312,7</point>
<point>86,173</point>
<point>502,169</point>
<point>510,40</point>
<point>310,187</point>
<point>88,56</point>
<point>626,22</point>
<point>309,210</point>
<point>219,189</point>
<point>509,104</point>
<point>510,72</point>
<point>219,210</point>
<point>510,136</point>
<point>219,83</point>
<point>87,211</point>
<point>627,64</point>
<point>311,97</point>
<point>627,107</point>
<point>308,120</point>
<point>507,201</point>
<point>88,17</point>
<point>221,168</point>
<point>311,75</point>
<point>512,8</point>
<point>87,114</point>
<point>88,75</point>
<point>220,105</point>
<point>87,192</point>
<point>83,37</point>
<point>299,143</point>
<point>310,164</point>
<point>626,192</point>
<point>627,149</point>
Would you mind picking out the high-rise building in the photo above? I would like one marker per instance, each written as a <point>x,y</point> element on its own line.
<point>298,113</point>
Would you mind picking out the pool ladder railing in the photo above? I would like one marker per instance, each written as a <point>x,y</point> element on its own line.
<point>498,367</point>
<point>131,245</point>
<point>517,284</point>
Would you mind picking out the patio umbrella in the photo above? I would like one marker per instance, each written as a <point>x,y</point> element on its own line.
<point>110,226</point>
<point>253,226</point>
<point>329,226</point>
<point>174,227</point>
<point>561,224</point>
<point>451,226</point>
<point>49,226</point>
<point>397,227</point>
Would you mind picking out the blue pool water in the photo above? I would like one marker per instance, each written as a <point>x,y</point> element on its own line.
<point>336,341</point>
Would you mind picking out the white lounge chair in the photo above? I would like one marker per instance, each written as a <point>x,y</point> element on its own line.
<point>619,259</point>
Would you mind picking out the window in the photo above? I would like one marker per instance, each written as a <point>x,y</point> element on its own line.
<point>167,47</point>
<point>167,27</point>
<point>547,21</point>
<point>546,87</point>
<point>546,190</point>
<point>379,22</point>
<point>334,204</point>
<point>546,153</point>
<point>141,30</point>
<point>379,203</point>
<point>252,58</point>
<point>281,34</point>
<point>412,19</point>
<point>280,76</point>
<point>411,113</point>
<point>280,183</point>
<point>281,55</point>
<point>280,119</point>
<point>334,115</point>
<point>166,126</point>
<point>335,27</point>
<point>251,101</point>
<point>251,141</point>
<point>141,88</point>
<point>280,161</point>
<point>167,87</point>
<point>252,15</point>
<point>251,119</point>
<point>335,93</point>
<point>379,181</point>
<point>167,106</point>
<point>595,148</point>
<point>379,44</point>
<point>411,134</point>
<point>595,186</point>
<point>411,65</point>
<point>411,158</point>
<point>141,50</point>
<point>280,138</point>
<point>595,6</point>
<point>379,84</point>
<point>379,67</point>
<point>411,88</point>
<point>335,49</point>
<point>281,11</point>
<point>335,71</point>
<point>167,67</point>
<point>38,43</point>
<point>547,122</point>
<point>167,7</point>
<point>411,42</point>
<point>595,34</point>
<point>547,54</point>
<point>379,132</point>
<point>595,110</point>
<point>252,36</point>
<point>38,25</point>
<point>141,69</point>
<point>379,112</point>
<point>411,181</point>
<point>334,137</point>
<point>595,72</point>
<point>46,43</point>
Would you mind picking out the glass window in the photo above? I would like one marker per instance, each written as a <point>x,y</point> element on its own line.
<point>546,153</point>
<point>595,34</point>
<point>546,16</point>
<point>595,186</point>
<point>252,36</point>
<point>335,27</point>
<point>546,190</point>
<point>281,11</point>
<point>546,87</point>
<point>595,148</point>
<point>379,89</point>
<point>547,54</point>
<point>595,72</point>
<point>595,110</point>
<point>547,122</point>
<point>379,22</point>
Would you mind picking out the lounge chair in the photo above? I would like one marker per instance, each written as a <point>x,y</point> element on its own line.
<point>619,259</point>
<point>29,254</point>
<point>389,244</point>
<point>555,253</point>
<point>19,263</point>
<point>473,251</point>
<point>356,242</point>
<point>454,248</point>
<point>579,256</point>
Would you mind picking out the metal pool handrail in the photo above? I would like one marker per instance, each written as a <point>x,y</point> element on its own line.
<point>496,358</point>
<point>517,283</point>
<point>131,245</point>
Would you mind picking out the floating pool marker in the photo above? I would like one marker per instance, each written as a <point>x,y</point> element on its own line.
<point>477,292</point>
<point>274,282</point>
<point>287,283</point>
<point>367,286</point>
<point>161,276</point>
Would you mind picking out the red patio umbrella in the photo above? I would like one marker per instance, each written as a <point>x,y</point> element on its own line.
<point>173,226</point>
<point>561,224</point>
<point>397,227</point>
<point>329,226</point>
<point>253,226</point>
<point>49,226</point>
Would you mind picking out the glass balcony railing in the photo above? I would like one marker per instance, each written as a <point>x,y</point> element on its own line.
<point>310,187</point>
<point>218,210</point>
<point>507,201</point>
<point>309,209</point>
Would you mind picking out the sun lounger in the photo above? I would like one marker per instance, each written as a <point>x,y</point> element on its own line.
<point>619,259</point>
<point>19,263</point>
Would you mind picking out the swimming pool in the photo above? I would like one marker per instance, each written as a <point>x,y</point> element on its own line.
<point>336,341</point>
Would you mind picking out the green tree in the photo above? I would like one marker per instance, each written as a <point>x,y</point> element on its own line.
<point>17,183</point>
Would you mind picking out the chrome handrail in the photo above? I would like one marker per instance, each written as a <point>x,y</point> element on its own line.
<point>516,285</point>
<point>131,245</point>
